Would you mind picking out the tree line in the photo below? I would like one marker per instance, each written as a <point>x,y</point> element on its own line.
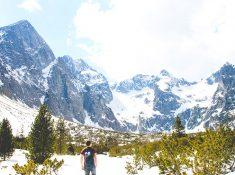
<point>43,141</point>
<point>211,152</point>
<point>205,153</point>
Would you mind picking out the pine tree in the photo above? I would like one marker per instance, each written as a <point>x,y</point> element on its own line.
<point>208,153</point>
<point>62,137</point>
<point>49,167</point>
<point>41,138</point>
<point>178,127</point>
<point>172,156</point>
<point>6,139</point>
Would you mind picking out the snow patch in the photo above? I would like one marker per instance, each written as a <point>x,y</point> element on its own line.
<point>88,120</point>
<point>1,83</point>
<point>2,33</point>
<point>163,83</point>
<point>79,86</point>
<point>46,73</point>
<point>130,106</point>
<point>75,120</point>
<point>199,94</point>
<point>18,74</point>
<point>90,123</point>
<point>42,99</point>
<point>92,77</point>
<point>46,70</point>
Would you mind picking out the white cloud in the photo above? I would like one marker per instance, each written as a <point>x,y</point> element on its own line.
<point>30,5</point>
<point>189,38</point>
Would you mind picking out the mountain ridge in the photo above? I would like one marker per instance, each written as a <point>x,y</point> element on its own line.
<point>31,73</point>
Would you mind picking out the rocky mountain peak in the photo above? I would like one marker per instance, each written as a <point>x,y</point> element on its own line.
<point>23,43</point>
<point>165,73</point>
<point>227,68</point>
<point>24,31</point>
<point>21,22</point>
<point>66,59</point>
<point>226,71</point>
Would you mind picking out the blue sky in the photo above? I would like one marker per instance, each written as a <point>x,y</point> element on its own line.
<point>191,39</point>
<point>53,20</point>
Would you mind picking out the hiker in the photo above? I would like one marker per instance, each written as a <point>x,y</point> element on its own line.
<point>88,159</point>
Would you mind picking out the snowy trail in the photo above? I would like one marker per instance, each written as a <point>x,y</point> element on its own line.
<point>106,165</point>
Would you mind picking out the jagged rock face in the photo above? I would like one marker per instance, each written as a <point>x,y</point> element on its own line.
<point>79,90</point>
<point>96,82</point>
<point>223,104</point>
<point>193,117</point>
<point>64,94</point>
<point>138,82</point>
<point>165,102</point>
<point>95,105</point>
<point>23,55</point>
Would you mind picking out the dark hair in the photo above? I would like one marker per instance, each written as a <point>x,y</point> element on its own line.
<point>88,143</point>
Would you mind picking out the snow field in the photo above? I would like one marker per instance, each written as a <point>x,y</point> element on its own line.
<point>106,165</point>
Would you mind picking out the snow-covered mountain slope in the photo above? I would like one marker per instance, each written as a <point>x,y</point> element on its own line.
<point>19,115</point>
<point>140,103</point>
<point>152,102</point>
<point>199,94</point>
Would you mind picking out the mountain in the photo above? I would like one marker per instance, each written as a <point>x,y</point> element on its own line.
<point>23,56</point>
<point>152,102</point>
<point>30,74</point>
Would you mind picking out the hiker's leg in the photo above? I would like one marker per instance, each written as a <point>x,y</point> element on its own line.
<point>87,172</point>
<point>93,172</point>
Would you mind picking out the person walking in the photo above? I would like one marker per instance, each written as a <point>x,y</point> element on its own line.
<point>89,159</point>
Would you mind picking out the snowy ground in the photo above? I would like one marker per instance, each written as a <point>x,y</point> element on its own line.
<point>106,165</point>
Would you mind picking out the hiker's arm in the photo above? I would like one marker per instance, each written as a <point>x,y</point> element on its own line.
<point>82,161</point>
<point>95,160</point>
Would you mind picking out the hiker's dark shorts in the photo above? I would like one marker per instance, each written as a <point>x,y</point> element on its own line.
<point>89,170</point>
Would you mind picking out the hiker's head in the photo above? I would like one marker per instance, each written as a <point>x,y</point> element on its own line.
<point>88,143</point>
